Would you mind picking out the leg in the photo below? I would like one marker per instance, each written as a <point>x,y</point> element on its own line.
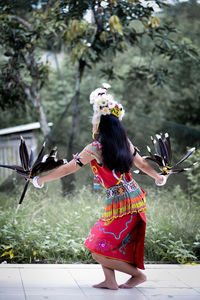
<point>137,276</point>
<point>109,282</point>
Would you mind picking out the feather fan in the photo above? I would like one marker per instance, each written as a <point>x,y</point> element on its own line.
<point>28,169</point>
<point>162,157</point>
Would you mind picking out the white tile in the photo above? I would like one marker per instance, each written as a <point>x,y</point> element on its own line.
<point>84,274</point>
<point>55,297</point>
<point>189,276</point>
<point>113,294</point>
<point>50,266</point>
<point>74,282</point>
<point>159,297</point>
<point>117,297</point>
<point>164,283</point>
<point>134,293</point>
<point>163,266</point>
<point>90,291</point>
<point>10,278</point>
<point>12,297</point>
<point>159,274</point>
<point>54,291</point>
<point>197,290</point>
<point>171,292</point>
<point>43,277</point>
<point>11,291</point>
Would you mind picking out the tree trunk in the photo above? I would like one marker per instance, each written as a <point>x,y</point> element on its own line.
<point>67,182</point>
<point>43,120</point>
<point>34,96</point>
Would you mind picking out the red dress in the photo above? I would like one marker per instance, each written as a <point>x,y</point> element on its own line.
<point>120,232</point>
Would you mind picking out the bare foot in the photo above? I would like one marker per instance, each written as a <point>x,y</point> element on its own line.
<point>133,281</point>
<point>106,285</point>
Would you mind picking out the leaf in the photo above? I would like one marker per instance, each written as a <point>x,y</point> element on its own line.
<point>5,253</point>
<point>115,24</point>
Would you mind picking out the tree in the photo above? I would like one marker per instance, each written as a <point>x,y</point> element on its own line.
<point>108,32</point>
<point>22,74</point>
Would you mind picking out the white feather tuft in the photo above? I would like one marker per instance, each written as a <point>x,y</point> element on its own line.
<point>148,148</point>
<point>45,158</point>
<point>158,136</point>
<point>136,171</point>
<point>106,85</point>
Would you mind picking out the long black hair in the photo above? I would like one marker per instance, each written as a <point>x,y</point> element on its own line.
<point>115,145</point>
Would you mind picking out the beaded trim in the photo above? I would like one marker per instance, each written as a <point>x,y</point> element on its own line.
<point>123,199</point>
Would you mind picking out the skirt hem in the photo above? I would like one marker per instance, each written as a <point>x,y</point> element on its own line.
<point>141,268</point>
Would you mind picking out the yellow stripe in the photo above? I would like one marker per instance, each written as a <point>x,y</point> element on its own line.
<point>118,182</point>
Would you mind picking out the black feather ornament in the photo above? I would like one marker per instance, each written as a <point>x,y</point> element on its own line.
<point>28,169</point>
<point>162,158</point>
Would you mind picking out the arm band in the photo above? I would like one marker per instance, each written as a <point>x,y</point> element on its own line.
<point>79,163</point>
<point>135,151</point>
<point>77,160</point>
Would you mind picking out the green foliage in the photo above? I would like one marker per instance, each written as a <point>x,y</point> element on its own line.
<point>50,228</point>
<point>193,176</point>
<point>172,223</point>
<point>50,231</point>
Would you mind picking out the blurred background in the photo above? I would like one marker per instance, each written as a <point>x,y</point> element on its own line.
<point>52,55</point>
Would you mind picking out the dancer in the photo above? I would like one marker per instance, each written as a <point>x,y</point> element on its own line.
<point>117,239</point>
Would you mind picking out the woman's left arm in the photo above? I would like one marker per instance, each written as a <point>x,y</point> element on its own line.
<point>143,165</point>
<point>66,169</point>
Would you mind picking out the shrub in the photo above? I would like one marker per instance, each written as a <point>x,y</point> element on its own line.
<point>50,228</point>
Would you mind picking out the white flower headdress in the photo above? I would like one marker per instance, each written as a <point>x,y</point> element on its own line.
<point>104,104</point>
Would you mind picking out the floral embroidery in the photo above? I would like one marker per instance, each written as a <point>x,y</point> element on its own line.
<point>103,245</point>
<point>90,237</point>
<point>125,241</point>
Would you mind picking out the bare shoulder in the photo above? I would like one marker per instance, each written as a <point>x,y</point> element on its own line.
<point>95,150</point>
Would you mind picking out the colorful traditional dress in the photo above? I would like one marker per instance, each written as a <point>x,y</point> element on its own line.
<point>120,232</point>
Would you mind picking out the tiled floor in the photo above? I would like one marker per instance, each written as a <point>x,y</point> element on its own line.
<point>66,282</point>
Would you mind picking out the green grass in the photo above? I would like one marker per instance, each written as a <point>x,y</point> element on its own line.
<point>51,228</point>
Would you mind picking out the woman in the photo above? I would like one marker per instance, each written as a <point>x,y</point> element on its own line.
<point>117,239</point>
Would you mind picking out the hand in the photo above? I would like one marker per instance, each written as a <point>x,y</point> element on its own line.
<point>161,180</point>
<point>29,179</point>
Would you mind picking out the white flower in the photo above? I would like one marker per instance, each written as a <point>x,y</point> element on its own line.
<point>105,111</point>
<point>103,102</point>
<point>120,106</point>
<point>95,108</point>
<point>122,114</point>
<point>111,104</point>
<point>106,85</point>
<point>95,94</point>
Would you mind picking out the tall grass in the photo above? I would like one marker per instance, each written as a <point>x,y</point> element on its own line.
<point>51,228</point>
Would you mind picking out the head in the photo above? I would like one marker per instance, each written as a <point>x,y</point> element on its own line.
<point>106,122</point>
<point>104,104</point>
